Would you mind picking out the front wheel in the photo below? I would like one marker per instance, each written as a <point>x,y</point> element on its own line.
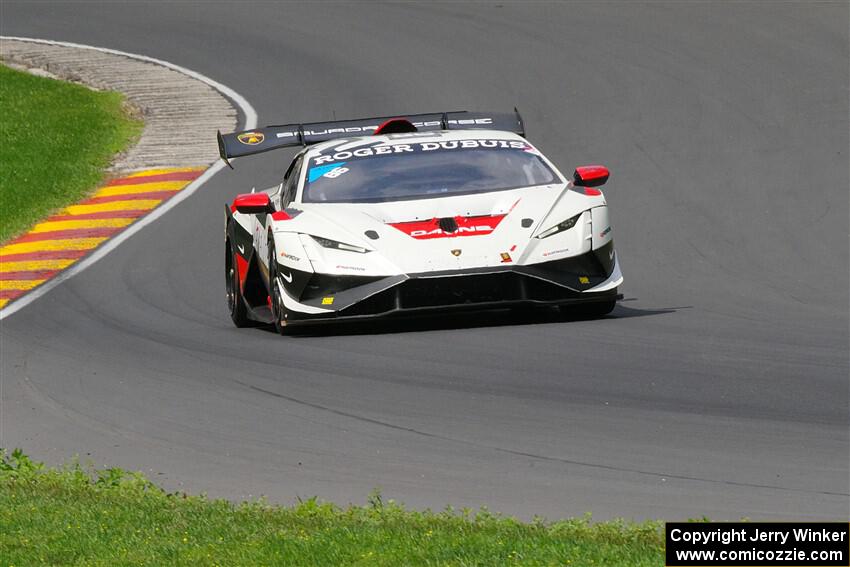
<point>235,303</point>
<point>279,311</point>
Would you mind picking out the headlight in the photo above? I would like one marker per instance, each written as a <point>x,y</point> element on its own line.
<point>561,227</point>
<point>328,243</point>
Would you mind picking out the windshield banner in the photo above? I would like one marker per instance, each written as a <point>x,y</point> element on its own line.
<point>385,149</point>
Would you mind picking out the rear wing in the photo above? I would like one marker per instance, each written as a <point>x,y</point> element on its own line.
<point>259,140</point>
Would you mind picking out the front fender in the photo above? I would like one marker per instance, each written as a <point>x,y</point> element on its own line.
<point>290,252</point>
<point>238,235</point>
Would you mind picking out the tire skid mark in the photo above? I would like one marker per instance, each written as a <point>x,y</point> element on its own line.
<point>526,454</point>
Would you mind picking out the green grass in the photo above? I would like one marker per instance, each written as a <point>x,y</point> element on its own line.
<point>71,516</point>
<point>56,138</point>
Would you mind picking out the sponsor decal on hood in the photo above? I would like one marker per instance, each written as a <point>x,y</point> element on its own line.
<point>465,226</point>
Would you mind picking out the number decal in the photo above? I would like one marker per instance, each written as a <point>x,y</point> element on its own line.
<point>336,172</point>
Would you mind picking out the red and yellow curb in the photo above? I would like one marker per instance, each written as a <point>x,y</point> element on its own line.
<point>68,236</point>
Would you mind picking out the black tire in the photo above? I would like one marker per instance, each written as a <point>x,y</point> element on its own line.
<point>235,303</point>
<point>589,310</point>
<point>279,312</point>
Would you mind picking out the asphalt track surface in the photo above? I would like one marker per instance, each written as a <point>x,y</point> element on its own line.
<point>719,388</point>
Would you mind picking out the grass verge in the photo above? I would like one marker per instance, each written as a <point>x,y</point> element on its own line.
<point>71,516</point>
<point>56,138</point>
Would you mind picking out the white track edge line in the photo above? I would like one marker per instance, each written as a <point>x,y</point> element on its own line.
<point>101,251</point>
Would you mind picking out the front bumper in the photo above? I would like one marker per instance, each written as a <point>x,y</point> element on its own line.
<point>580,279</point>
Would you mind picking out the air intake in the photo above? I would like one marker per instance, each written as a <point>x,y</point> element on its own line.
<point>448,224</point>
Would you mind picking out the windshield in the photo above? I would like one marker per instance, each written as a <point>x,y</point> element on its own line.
<point>421,170</point>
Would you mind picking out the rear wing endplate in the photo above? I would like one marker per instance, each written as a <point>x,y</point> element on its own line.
<point>259,140</point>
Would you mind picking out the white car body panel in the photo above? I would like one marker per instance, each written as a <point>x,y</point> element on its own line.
<point>397,253</point>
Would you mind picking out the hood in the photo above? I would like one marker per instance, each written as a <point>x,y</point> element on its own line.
<point>479,230</point>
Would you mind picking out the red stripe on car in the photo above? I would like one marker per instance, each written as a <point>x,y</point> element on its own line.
<point>242,268</point>
<point>466,226</point>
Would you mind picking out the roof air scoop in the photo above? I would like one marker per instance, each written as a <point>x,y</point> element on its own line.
<point>396,126</point>
<point>448,224</point>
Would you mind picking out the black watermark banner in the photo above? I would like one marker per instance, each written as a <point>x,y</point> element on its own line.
<point>758,544</point>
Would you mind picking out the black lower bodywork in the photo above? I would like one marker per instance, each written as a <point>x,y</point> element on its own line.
<point>556,283</point>
<point>499,290</point>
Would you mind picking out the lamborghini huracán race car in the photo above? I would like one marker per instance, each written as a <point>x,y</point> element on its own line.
<point>379,217</point>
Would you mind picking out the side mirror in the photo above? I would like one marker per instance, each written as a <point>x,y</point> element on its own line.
<point>252,204</point>
<point>590,175</point>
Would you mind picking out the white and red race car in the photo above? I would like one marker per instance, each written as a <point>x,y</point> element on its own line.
<point>379,217</point>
